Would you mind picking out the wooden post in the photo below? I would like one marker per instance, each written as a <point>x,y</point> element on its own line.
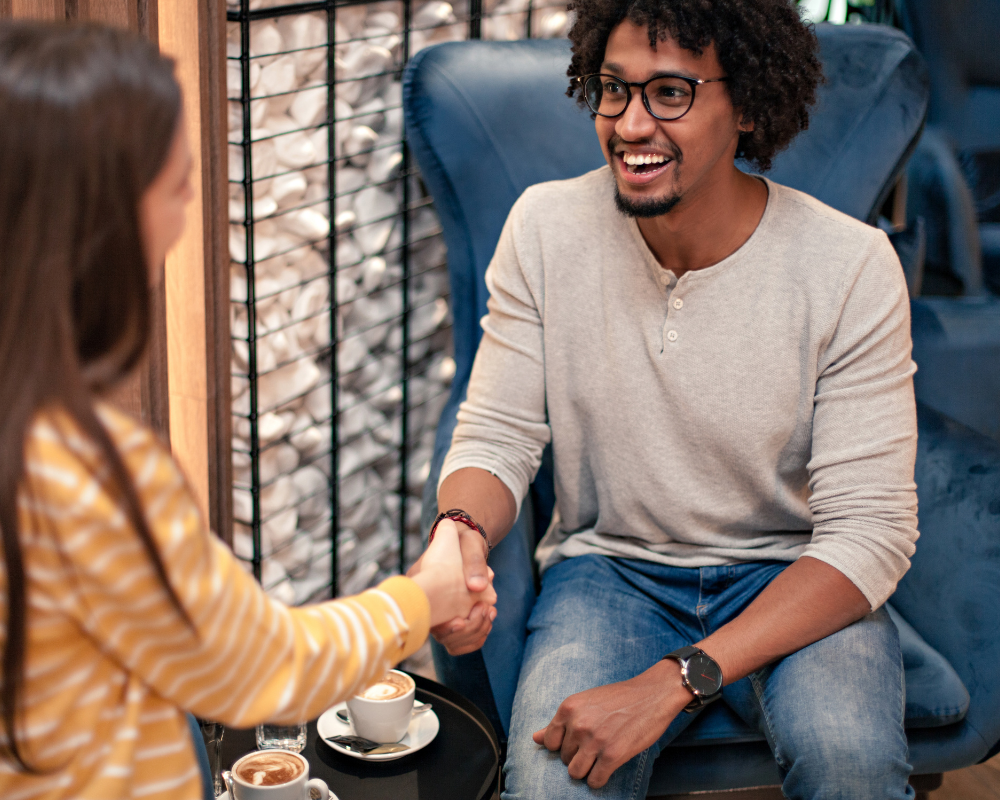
<point>197,271</point>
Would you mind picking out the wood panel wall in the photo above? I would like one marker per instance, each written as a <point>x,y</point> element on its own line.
<point>183,387</point>
<point>197,274</point>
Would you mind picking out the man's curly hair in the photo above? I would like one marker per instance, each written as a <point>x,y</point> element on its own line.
<point>764,47</point>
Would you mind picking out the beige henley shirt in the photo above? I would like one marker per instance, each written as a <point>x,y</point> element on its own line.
<point>761,408</point>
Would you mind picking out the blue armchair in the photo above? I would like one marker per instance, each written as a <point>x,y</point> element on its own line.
<point>954,185</point>
<point>485,121</point>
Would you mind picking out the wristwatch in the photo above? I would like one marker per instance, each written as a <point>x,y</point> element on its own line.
<point>700,675</point>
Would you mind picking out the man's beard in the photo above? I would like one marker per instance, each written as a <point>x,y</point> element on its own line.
<point>646,206</point>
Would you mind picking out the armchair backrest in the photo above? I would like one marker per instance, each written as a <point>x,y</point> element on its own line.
<point>958,38</point>
<point>486,120</point>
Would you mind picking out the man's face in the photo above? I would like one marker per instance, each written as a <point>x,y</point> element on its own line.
<point>692,150</point>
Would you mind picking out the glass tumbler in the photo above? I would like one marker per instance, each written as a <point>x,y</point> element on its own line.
<point>282,737</point>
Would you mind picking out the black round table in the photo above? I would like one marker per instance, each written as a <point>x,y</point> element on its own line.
<point>462,762</point>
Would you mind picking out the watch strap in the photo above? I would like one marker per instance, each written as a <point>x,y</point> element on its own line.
<point>684,653</point>
<point>681,656</point>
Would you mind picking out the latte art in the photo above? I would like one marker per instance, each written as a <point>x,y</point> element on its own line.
<point>392,685</point>
<point>269,768</point>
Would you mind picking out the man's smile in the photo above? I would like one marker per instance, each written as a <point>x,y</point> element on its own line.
<point>642,167</point>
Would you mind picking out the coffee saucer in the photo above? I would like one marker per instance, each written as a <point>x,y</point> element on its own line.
<point>423,728</point>
<point>225,796</point>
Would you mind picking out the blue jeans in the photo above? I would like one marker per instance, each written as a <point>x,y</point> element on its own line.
<point>832,712</point>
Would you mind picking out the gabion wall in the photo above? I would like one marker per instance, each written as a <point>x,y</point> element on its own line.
<point>340,304</point>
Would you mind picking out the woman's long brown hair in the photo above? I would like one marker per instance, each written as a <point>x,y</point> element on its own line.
<point>87,118</point>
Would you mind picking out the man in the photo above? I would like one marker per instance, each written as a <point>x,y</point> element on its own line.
<point>722,365</point>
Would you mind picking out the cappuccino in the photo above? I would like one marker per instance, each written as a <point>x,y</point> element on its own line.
<point>391,686</point>
<point>269,768</point>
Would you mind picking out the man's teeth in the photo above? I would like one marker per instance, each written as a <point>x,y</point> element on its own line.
<point>634,160</point>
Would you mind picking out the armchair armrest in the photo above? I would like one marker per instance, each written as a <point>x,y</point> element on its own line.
<point>489,677</point>
<point>934,170</point>
<point>952,592</point>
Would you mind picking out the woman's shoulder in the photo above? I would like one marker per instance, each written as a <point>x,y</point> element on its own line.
<point>61,457</point>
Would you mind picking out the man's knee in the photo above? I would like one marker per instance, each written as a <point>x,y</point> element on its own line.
<point>534,773</point>
<point>839,765</point>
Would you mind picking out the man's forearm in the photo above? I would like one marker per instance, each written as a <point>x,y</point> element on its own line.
<point>807,602</point>
<point>483,496</point>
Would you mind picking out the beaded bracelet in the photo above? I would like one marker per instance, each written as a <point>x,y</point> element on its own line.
<point>458,515</point>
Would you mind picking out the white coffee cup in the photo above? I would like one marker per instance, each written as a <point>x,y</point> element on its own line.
<point>295,789</point>
<point>383,720</point>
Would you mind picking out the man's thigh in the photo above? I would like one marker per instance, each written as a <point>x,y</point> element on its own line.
<point>593,624</point>
<point>833,714</point>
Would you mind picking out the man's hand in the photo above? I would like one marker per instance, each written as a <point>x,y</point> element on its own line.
<point>466,635</point>
<point>598,730</point>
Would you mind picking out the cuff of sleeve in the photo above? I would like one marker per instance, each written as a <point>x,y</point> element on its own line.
<point>416,610</point>
<point>875,591</point>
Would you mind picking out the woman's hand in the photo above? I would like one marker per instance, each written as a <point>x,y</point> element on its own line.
<point>440,573</point>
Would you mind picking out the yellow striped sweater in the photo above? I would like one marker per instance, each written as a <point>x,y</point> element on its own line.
<point>110,663</point>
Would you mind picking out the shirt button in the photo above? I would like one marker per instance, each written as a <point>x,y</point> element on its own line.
<point>672,336</point>
<point>678,304</point>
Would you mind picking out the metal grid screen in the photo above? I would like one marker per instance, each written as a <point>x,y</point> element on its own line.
<point>339,289</point>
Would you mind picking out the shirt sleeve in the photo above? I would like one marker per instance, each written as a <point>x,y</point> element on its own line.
<point>244,658</point>
<point>864,441</point>
<point>502,426</point>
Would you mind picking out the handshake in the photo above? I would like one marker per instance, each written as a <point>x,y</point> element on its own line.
<point>454,575</point>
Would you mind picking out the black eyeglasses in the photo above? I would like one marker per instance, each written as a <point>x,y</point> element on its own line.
<point>666,97</point>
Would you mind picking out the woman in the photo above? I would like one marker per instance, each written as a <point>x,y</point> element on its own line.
<point>122,611</point>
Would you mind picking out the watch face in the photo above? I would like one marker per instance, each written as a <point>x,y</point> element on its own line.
<point>704,675</point>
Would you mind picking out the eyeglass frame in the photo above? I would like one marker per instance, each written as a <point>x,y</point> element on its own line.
<point>692,82</point>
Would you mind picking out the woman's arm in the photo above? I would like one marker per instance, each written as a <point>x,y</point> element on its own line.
<point>243,658</point>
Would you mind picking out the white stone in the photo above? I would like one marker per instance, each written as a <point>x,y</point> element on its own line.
<point>296,555</point>
<point>295,150</point>
<point>308,223</point>
<point>265,38</point>
<point>241,355</point>
<point>242,544</point>
<point>360,580</point>
<point>374,208</point>
<point>364,515</point>
<point>312,265</point>
<point>433,14</point>
<point>273,426</point>
<point>349,181</point>
<point>372,273</point>
<point>345,220</point>
<point>318,403</point>
<point>277,77</point>
<point>242,505</point>
<point>277,530</point>
<point>350,353</point>
<point>284,384</point>
<point>383,19</point>
<point>309,440</point>
<point>371,114</point>
<point>358,144</point>
<point>305,33</point>
<point>382,37</point>
<point>352,18</point>
<point>277,460</point>
<point>384,165</point>
<point>281,494</point>
<point>288,189</point>
<point>320,139</point>
<point>309,106</point>
<point>312,486</point>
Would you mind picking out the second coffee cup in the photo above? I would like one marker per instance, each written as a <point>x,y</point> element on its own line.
<point>382,712</point>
